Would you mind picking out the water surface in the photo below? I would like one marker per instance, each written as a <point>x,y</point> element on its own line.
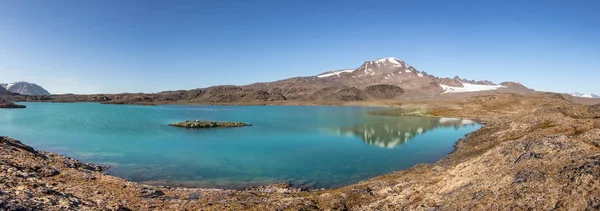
<point>308,146</point>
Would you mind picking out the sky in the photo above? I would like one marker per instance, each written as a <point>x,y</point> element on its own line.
<point>116,46</point>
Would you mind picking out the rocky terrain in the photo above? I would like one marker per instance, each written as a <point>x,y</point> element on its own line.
<point>208,124</point>
<point>381,79</point>
<point>25,88</point>
<point>536,151</point>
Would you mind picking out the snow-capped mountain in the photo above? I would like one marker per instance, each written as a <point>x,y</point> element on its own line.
<point>25,88</point>
<point>384,66</point>
<point>385,78</point>
<point>577,94</point>
<point>393,71</point>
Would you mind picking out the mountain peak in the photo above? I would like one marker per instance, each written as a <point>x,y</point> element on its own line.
<point>385,66</point>
<point>389,60</point>
<point>25,88</point>
<point>370,68</point>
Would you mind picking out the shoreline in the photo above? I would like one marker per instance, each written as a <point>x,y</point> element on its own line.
<point>542,142</point>
<point>374,104</point>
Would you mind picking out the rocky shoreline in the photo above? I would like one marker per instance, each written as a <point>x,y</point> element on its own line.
<point>535,152</point>
<point>208,124</point>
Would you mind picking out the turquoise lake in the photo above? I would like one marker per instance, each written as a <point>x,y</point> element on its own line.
<point>308,146</point>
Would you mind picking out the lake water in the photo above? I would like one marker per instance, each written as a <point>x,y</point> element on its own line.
<point>313,147</point>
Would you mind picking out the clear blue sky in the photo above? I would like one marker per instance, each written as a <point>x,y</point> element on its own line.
<point>113,46</point>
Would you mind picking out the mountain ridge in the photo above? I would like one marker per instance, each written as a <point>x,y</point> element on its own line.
<point>381,79</point>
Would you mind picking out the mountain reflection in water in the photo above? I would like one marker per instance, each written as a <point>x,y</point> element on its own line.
<point>394,132</point>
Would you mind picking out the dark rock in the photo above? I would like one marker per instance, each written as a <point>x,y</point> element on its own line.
<point>151,193</point>
<point>529,155</point>
<point>193,196</point>
<point>594,204</point>
<point>47,171</point>
<point>84,166</point>
<point>525,177</point>
<point>18,144</point>
<point>591,167</point>
<point>123,208</point>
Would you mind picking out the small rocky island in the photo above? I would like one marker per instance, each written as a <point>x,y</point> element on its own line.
<point>208,124</point>
<point>129,103</point>
<point>5,104</point>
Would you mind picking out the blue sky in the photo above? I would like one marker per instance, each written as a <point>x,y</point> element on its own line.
<point>113,46</point>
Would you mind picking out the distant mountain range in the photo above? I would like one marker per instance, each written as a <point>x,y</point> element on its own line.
<point>577,94</point>
<point>24,88</point>
<point>381,79</point>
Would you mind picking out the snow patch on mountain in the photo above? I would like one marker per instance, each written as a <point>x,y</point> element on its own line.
<point>577,94</point>
<point>10,85</point>
<point>467,87</point>
<point>7,86</point>
<point>334,73</point>
<point>390,60</point>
